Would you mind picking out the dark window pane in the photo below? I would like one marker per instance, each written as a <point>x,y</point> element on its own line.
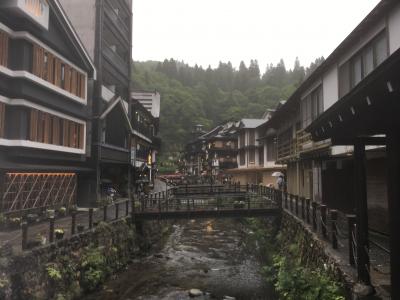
<point>381,49</point>
<point>344,79</point>
<point>368,61</point>
<point>356,71</point>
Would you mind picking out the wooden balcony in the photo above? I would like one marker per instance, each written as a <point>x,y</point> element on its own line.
<point>286,149</point>
<point>306,144</point>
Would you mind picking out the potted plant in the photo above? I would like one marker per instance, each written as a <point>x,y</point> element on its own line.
<point>59,233</point>
<point>62,211</point>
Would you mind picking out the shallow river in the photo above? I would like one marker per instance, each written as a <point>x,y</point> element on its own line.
<point>208,255</point>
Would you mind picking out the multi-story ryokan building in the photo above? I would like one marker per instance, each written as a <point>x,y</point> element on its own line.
<point>105,26</point>
<point>339,133</point>
<point>45,108</point>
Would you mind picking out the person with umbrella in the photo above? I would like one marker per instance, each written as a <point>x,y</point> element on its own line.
<point>280,181</point>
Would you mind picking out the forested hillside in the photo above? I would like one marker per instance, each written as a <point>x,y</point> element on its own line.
<point>193,95</point>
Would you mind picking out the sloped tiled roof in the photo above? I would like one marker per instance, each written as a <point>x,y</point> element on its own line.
<point>252,123</point>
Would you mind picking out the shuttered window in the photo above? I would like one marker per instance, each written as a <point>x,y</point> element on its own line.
<point>54,70</point>
<point>4,48</point>
<point>2,118</point>
<point>49,129</point>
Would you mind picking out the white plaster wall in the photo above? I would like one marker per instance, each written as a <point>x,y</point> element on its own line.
<point>394,29</point>
<point>365,39</point>
<point>330,87</point>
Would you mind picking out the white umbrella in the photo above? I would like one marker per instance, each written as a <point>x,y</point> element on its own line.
<point>277,174</point>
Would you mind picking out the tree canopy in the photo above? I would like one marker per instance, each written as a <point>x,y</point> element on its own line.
<point>193,95</point>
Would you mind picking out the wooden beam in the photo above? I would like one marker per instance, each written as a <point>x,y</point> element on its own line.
<point>367,141</point>
<point>393,176</point>
<point>360,194</point>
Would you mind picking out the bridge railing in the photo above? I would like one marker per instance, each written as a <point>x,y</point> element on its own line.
<point>211,197</point>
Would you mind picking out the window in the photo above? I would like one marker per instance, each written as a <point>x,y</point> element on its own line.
<point>63,76</point>
<point>363,63</point>
<point>252,156</point>
<point>48,129</point>
<point>252,138</point>
<point>242,158</point>
<point>312,106</point>
<point>54,70</point>
<point>242,138</point>
<point>261,156</point>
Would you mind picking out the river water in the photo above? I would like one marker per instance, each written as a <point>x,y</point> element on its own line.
<point>209,255</point>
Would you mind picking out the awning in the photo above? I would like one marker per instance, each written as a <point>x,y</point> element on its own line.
<point>369,109</point>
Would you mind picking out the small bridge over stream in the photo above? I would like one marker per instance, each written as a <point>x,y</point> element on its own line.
<point>209,201</point>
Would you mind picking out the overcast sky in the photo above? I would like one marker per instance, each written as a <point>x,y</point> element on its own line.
<point>208,31</point>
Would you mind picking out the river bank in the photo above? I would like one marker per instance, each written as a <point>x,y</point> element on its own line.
<point>209,255</point>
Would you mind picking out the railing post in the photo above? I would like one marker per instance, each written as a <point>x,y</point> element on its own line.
<point>90,218</point>
<point>159,203</point>
<point>127,208</point>
<point>351,221</point>
<point>248,202</point>
<point>303,212</point>
<point>323,220</point>
<point>314,215</point>
<point>286,200</point>
<point>73,221</point>
<point>116,211</point>
<point>334,217</point>
<point>308,202</point>
<point>151,200</point>
<point>105,213</point>
<point>296,201</point>
<point>247,187</point>
<point>51,229</point>
<point>166,203</point>
<point>291,202</point>
<point>24,228</point>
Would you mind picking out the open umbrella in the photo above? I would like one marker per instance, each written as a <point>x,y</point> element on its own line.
<point>277,174</point>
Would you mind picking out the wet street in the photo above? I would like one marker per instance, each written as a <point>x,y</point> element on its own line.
<point>208,255</point>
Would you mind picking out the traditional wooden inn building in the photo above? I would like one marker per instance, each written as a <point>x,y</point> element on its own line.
<point>220,149</point>
<point>45,108</point>
<point>256,148</point>
<point>145,144</point>
<point>105,26</point>
<point>339,133</point>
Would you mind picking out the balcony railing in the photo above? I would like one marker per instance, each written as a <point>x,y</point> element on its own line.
<point>286,148</point>
<point>143,129</point>
<point>291,147</point>
<point>306,144</point>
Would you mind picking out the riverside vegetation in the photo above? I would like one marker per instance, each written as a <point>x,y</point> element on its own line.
<point>292,278</point>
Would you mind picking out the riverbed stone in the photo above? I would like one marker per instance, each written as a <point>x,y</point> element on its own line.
<point>228,298</point>
<point>195,293</point>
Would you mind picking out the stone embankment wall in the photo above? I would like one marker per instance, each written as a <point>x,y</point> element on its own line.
<point>316,253</point>
<point>69,268</point>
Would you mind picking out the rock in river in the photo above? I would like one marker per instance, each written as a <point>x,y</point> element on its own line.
<point>195,293</point>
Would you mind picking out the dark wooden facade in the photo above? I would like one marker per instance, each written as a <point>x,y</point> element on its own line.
<point>107,32</point>
<point>45,111</point>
